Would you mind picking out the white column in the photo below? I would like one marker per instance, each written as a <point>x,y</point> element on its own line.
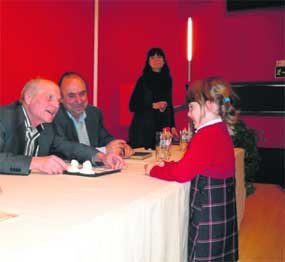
<point>96,48</point>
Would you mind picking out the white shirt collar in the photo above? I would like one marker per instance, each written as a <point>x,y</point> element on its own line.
<point>209,123</point>
<point>27,120</point>
<point>80,119</point>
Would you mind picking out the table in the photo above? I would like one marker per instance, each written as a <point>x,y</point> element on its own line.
<point>240,183</point>
<point>127,217</point>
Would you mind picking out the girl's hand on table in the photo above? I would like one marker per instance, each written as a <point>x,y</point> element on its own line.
<point>148,167</point>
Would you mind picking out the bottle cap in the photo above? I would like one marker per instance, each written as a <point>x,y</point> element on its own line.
<point>166,129</point>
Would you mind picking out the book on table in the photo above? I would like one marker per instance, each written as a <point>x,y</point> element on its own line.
<point>141,155</point>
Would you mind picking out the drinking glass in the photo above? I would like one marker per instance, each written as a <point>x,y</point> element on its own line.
<point>162,146</point>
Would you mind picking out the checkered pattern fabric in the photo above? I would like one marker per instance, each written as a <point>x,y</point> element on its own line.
<point>213,234</point>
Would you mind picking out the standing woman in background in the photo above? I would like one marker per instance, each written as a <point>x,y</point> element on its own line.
<point>151,101</point>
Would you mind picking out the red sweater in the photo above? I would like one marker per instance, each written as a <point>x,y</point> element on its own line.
<point>209,153</point>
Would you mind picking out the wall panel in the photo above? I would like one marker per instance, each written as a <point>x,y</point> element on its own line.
<point>44,38</point>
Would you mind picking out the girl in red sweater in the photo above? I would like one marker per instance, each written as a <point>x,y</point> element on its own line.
<point>210,165</point>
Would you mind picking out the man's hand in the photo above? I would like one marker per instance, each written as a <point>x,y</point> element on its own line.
<point>48,164</point>
<point>128,151</point>
<point>111,160</point>
<point>119,147</point>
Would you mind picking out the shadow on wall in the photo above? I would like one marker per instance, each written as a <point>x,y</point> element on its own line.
<point>124,98</point>
<point>125,116</point>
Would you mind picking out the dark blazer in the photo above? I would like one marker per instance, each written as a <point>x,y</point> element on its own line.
<point>12,143</point>
<point>97,133</point>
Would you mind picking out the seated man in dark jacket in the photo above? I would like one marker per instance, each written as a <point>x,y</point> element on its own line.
<point>28,140</point>
<point>80,122</point>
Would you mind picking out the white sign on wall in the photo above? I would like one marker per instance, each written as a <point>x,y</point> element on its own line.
<point>280,68</point>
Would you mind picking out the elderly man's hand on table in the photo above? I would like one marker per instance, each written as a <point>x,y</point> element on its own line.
<point>48,164</point>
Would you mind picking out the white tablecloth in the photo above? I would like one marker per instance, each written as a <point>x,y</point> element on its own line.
<point>127,217</point>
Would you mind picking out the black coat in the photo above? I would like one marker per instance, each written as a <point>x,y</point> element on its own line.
<point>146,121</point>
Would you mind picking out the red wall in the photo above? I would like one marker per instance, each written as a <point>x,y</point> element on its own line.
<point>44,38</point>
<point>127,29</point>
<point>240,46</point>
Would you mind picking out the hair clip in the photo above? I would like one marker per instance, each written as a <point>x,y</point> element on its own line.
<point>227,99</point>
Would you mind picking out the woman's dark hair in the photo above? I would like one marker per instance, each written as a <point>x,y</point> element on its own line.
<point>159,52</point>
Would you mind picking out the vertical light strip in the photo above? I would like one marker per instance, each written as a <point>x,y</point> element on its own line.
<point>96,48</point>
<point>189,46</point>
<point>189,39</point>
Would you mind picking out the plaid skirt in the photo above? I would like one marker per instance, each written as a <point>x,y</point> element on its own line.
<point>213,233</point>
